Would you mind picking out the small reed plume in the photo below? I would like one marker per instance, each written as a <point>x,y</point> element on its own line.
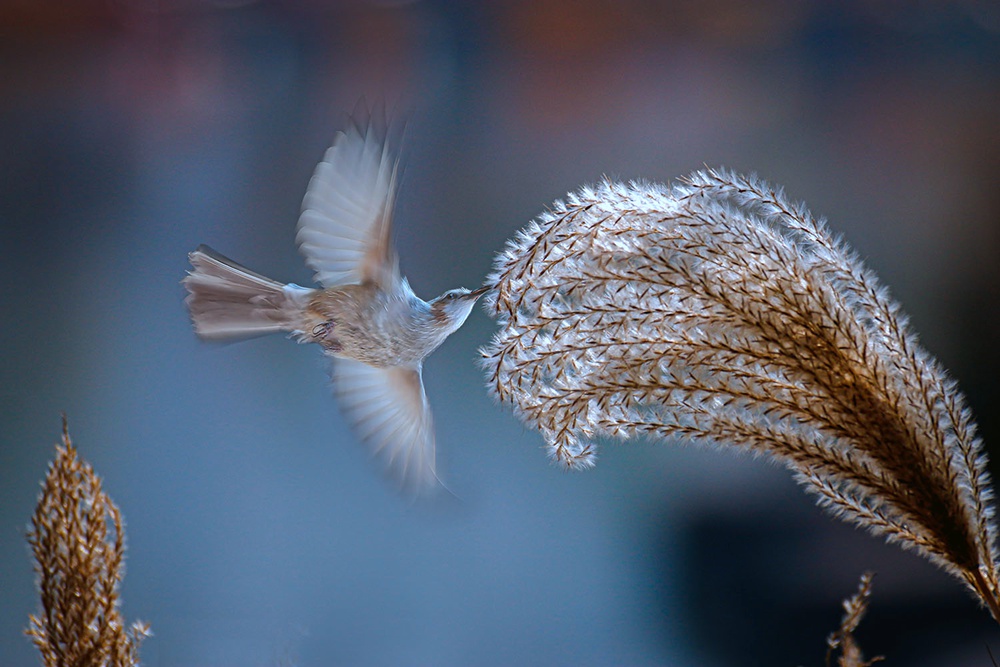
<point>843,640</point>
<point>80,565</point>
<point>718,311</point>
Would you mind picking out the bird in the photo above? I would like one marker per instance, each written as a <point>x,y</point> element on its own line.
<point>365,317</point>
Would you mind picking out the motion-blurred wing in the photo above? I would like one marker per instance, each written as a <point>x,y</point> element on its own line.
<point>345,227</point>
<point>390,414</point>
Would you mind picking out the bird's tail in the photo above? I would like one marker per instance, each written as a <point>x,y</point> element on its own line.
<point>229,301</point>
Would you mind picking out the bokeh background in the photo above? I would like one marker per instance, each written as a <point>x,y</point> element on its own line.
<point>259,533</point>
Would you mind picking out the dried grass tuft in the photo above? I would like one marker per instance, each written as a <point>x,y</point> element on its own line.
<point>843,639</point>
<point>77,537</point>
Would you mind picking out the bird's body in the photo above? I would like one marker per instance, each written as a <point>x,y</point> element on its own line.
<point>380,328</point>
<point>366,317</point>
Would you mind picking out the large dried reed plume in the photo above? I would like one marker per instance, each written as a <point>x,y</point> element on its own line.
<point>718,311</point>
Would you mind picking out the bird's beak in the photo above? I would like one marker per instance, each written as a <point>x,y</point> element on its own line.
<point>476,293</point>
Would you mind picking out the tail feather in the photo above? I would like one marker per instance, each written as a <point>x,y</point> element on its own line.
<point>228,301</point>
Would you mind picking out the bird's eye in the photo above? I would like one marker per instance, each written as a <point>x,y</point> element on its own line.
<point>450,296</point>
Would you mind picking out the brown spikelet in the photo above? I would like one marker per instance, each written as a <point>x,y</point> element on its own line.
<point>843,639</point>
<point>717,311</point>
<point>79,560</point>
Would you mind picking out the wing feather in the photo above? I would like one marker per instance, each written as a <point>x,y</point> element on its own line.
<point>345,227</point>
<point>388,411</point>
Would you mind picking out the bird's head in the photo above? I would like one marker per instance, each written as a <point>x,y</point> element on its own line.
<point>452,308</point>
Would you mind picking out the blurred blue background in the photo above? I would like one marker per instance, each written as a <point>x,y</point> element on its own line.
<point>259,533</point>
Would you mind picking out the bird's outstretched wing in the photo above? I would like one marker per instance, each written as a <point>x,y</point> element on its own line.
<point>389,412</point>
<point>345,227</point>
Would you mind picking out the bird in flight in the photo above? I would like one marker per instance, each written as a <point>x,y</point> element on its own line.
<point>366,318</point>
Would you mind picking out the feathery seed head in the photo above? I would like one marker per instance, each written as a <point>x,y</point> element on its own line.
<point>78,540</point>
<point>718,311</point>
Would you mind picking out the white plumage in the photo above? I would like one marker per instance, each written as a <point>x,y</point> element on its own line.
<point>367,319</point>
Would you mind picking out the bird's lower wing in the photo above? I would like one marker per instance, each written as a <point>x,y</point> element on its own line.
<point>388,410</point>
